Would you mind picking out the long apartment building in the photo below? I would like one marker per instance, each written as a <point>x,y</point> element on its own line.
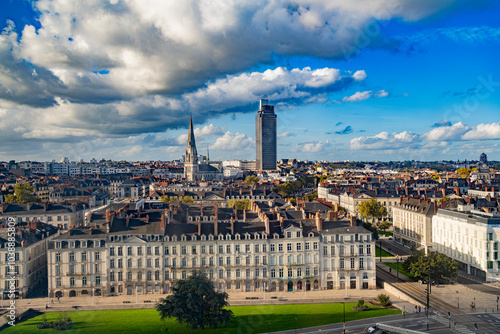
<point>412,221</point>
<point>266,248</point>
<point>470,237</point>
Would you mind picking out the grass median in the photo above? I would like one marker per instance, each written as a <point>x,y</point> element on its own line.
<point>247,319</point>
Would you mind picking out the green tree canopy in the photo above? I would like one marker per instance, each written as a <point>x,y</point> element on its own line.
<point>165,199</point>
<point>312,196</point>
<point>463,172</point>
<point>196,303</point>
<point>187,199</point>
<point>23,193</point>
<point>239,204</point>
<point>252,179</point>
<point>441,267</point>
<point>372,209</point>
<point>384,225</point>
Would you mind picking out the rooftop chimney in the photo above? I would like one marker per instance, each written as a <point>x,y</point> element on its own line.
<point>244,215</point>
<point>163,219</point>
<point>231,221</point>
<point>354,221</point>
<point>336,207</point>
<point>434,204</point>
<point>199,228</point>
<point>319,222</point>
<point>266,224</point>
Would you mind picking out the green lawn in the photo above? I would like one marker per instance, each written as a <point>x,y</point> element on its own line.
<point>400,268</point>
<point>248,319</point>
<point>386,233</point>
<point>384,253</point>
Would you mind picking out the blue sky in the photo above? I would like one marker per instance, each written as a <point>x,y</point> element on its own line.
<point>358,80</point>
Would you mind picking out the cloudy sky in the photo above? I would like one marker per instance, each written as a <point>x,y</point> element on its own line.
<point>358,80</point>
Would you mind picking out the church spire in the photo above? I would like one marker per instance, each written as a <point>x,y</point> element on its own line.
<point>191,157</point>
<point>191,142</point>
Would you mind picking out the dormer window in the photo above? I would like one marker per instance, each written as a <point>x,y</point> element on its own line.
<point>221,237</point>
<point>210,237</point>
<point>183,238</point>
<point>288,234</point>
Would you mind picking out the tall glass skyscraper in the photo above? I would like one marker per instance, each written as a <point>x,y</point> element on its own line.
<point>265,136</point>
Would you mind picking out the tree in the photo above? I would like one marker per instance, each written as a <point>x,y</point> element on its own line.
<point>23,193</point>
<point>252,179</point>
<point>196,303</point>
<point>463,172</point>
<point>384,300</point>
<point>187,199</point>
<point>372,209</point>
<point>441,267</point>
<point>384,225</point>
<point>311,197</point>
<point>372,229</point>
<point>239,204</point>
<point>165,199</point>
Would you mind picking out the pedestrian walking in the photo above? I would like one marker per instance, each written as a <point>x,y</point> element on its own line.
<point>419,309</point>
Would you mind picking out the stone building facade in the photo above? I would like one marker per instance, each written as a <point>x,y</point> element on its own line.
<point>263,249</point>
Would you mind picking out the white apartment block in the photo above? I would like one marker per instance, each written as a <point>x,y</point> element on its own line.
<point>471,238</point>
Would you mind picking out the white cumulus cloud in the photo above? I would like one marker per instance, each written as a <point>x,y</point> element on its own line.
<point>232,142</point>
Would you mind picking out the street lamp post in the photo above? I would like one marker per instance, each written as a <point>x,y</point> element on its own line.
<point>93,295</point>
<point>380,250</point>
<point>344,316</point>
<point>428,292</point>
<point>295,325</point>
<point>458,303</point>
<point>397,268</point>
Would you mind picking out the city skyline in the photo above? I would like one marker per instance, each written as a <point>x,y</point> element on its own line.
<point>379,80</point>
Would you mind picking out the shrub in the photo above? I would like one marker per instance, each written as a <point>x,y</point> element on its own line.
<point>361,306</point>
<point>384,300</point>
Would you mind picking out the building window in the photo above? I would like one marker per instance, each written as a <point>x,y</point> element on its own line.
<point>299,246</point>
<point>120,251</point>
<point>306,246</point>
<point>280,248</point>
<point>58,282</point>
<point>272,248</point>
<point>97,256</point>
<point>315,245</point>
<point>58,257</point>
<point>129,251</point>
<point>84,281</point>
<point>281,273</point>
<point>273,273</point>
<point>361,263</point>
<point>352,263</point>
